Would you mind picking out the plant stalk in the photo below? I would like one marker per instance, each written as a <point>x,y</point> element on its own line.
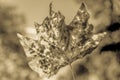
<point>73,74</point>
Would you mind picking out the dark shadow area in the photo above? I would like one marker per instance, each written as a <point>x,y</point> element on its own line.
<point>113,27</point>
<point>81,70</point>
<point>115,47</point>
<point>111,47</point>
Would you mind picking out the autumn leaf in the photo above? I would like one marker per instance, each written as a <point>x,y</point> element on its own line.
<point>59,44</point>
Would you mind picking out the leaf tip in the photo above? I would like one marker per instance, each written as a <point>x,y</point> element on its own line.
<point>19,36</point>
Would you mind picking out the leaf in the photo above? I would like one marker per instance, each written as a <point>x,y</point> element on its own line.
<point>59,44</point>
<point>30,46</point>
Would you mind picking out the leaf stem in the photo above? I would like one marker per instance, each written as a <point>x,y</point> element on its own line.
<point>73,74</point>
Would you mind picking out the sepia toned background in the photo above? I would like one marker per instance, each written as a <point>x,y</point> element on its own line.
<point>20,15</point>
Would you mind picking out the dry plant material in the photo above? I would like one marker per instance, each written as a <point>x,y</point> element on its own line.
<point>59,44</point>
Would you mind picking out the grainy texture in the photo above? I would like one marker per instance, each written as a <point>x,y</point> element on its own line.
<point>59,44</point>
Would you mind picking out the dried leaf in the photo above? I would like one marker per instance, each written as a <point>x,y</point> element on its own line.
<point>59,44</point>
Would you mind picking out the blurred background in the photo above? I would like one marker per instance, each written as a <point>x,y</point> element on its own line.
<point>20,15</point>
